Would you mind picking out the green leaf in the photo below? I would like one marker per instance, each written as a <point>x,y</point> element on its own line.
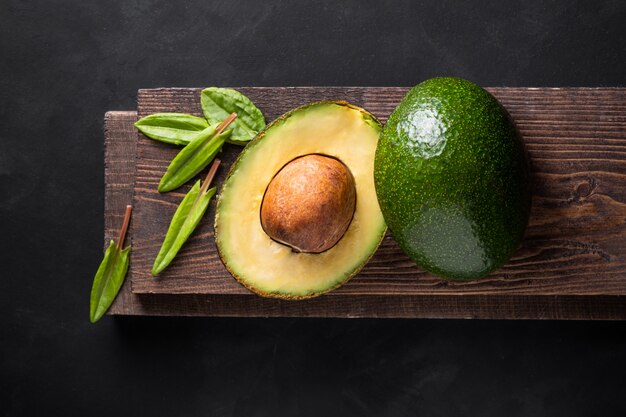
<point>108,280</point>
<point>218,103</point>
<point>184,222</point>
<point>193,158</point>
<point>172,128</point>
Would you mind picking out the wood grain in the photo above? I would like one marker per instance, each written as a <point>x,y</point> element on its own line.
<point>120,139</point>
<point>119,179</point>
<point>576,139</point>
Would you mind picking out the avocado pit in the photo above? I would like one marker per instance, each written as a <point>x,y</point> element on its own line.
<point>309,203</point>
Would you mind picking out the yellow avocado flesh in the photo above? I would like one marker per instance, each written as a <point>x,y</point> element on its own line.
<point>270,268</point>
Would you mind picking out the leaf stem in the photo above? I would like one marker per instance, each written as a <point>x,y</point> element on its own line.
<point>209,177</point>
<point>227,121</point>
<point>120,239</point>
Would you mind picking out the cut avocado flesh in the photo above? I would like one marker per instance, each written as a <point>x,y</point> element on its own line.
<point>334,129</point>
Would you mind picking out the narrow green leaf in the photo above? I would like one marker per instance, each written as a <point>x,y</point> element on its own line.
<point>218,103</point>
<point>108,280</point>
<point>111,273</point>
<point>184,222</point>
<point>193,158</point>
<point>163,257</point>
<point>172,128</point>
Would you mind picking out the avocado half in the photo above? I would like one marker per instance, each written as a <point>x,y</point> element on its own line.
<point>453,179</point>
<point>334,129</point>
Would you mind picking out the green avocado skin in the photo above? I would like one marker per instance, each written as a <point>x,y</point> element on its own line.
<point>452,179</point>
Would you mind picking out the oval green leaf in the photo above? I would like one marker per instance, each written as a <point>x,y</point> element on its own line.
<point>218,103</point>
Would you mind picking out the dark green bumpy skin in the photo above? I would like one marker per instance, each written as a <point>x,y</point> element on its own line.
<point>452,179</point>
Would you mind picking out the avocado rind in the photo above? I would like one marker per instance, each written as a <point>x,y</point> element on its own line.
<point>452,179</point>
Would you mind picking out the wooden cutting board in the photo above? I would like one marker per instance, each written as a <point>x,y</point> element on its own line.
<point>572,263</point>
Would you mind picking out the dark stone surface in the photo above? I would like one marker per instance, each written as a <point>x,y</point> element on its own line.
<point>64,63</point>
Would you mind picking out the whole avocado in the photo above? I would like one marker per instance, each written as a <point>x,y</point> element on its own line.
<point>452,179</point>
